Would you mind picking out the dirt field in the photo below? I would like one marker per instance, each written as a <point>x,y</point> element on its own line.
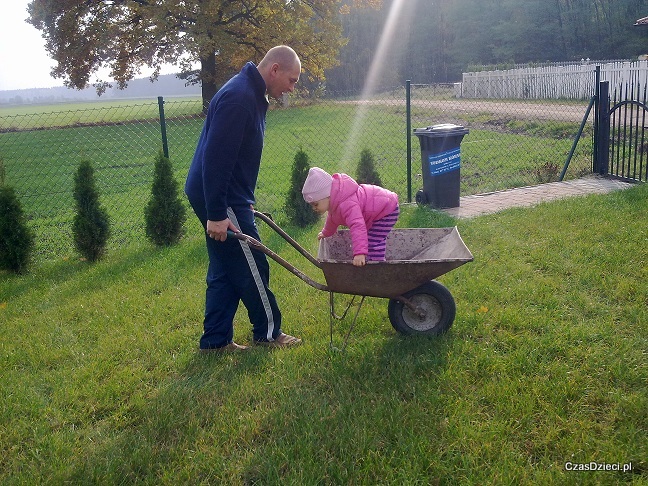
<point>512,109</point>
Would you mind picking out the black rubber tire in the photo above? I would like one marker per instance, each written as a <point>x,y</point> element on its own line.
<point>421,198</point>
<point>435,300</point>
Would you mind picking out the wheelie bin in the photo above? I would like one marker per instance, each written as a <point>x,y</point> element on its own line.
<point>441,164</point>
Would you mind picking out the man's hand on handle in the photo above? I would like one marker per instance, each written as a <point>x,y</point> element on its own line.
<point>218,229</point>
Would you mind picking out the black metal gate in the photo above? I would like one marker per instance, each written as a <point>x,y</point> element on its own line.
<point>621,139</point>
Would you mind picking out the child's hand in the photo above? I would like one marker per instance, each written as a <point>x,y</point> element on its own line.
<point>359,260</point>
<point>320,235</point>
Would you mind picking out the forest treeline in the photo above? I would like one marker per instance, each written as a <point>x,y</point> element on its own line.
<point>434,41</point>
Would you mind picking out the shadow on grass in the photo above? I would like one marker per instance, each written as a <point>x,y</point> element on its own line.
<point>56,273</point>
<point>116,265</point>
<point>253,417</point>
<point>197,412</point>
<point>346,407</point>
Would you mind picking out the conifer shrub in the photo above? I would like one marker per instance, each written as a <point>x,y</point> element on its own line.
<point>91,226</point>
<point>299,211</point>
<point>16,239</point>
<point>165,214</point>
<point>366,172</point>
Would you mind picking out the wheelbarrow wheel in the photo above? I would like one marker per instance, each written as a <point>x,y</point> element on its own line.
<point>435,313</point>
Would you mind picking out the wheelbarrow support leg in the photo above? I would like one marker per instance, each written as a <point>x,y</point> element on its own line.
<point>333,315</point>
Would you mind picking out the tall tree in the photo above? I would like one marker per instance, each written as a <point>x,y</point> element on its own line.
<point>428,58</point>
<point>362,29</point>
<point>83,36</point>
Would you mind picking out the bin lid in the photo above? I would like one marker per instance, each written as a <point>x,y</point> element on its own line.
<point>441,130</point>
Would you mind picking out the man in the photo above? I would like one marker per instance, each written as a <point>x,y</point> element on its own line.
<point>220,187</point>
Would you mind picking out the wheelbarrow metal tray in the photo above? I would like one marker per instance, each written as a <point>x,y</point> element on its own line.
<point>414,256</point>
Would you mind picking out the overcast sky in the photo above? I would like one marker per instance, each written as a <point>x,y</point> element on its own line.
<point>23,59</point>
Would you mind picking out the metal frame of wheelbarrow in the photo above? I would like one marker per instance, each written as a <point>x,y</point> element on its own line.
<point>419,255</point>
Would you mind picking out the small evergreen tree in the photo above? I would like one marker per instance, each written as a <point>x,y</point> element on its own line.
<point>16,240</point>
<point>91,227</point>
<point>165,214</point>
<point>299,211</point>
<point>367,173</point>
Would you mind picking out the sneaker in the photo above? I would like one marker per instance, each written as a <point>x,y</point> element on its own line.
<point>282,341</point>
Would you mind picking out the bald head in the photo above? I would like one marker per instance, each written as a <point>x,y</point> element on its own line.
<point>284,56</point>
<point>280,69</point>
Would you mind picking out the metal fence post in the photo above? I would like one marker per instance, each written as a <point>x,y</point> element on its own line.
<point>603,129</point>
<point>597,106</point>
<point>408,131</point>
<point>165,143</point>
<point>578,136</point>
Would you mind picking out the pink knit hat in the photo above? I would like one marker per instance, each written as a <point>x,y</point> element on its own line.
<point>317,185</point>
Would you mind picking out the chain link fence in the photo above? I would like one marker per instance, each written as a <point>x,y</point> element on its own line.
<point>510,144</point>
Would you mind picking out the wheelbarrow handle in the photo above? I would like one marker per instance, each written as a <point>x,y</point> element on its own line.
<point>257,245</point>
<point>270,222</point>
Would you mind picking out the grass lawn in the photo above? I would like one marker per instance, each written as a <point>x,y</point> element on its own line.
<point>545,365</point>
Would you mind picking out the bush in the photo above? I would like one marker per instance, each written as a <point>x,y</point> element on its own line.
<point>16,240</point>
<point>367,173</point>
<point>91,226</point>
<point>299,211</point>
<point>165,214</point>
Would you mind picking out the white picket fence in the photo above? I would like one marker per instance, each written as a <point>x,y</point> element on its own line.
<point>551,82</point>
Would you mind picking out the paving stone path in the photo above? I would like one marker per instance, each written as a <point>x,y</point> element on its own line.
<point>493,202</point>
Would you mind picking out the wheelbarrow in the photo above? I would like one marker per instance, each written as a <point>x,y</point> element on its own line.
<point>414,258</point>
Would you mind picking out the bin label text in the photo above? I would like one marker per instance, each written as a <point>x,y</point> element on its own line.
<point>444,162</point>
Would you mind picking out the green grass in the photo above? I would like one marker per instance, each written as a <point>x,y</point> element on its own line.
<point>545,364</point>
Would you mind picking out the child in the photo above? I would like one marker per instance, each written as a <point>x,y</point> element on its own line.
<point>370,212</point>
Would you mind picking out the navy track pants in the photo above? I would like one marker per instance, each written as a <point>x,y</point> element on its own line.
<point>237,273</point>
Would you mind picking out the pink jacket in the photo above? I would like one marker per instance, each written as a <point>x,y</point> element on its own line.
<point>357,206</point>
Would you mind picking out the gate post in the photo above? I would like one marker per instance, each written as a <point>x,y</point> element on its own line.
<point>602,149</point>
<point>597,97</point>
<point>408,131</point>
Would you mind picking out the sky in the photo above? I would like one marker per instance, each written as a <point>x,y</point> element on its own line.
<point>24,62</point>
